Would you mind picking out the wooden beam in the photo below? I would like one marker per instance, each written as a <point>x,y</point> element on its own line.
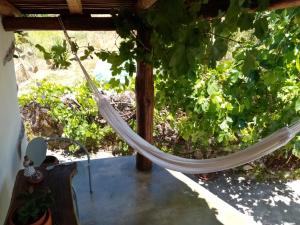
<point>284,4</point>
<point>7,9</point>
<point>144,90</point>
<point>214,7</point>
<point>51,23</point>
<point>145,4</point>
<point>210,9</point>
<point>75,6</point>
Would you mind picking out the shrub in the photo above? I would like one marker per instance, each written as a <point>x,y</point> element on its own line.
<point>75,109</point>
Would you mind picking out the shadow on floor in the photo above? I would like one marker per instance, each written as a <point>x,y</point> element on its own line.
<point>124,196</point>
<point>270,203</point>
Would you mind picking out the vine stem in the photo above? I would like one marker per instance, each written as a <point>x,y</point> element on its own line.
<point>140,42</point>
<point>87,76</point>
<point>227,38</point>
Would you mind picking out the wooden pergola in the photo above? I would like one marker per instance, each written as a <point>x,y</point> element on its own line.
<point>77,15</point>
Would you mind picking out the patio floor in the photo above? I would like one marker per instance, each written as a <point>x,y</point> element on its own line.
<point>122,195</point>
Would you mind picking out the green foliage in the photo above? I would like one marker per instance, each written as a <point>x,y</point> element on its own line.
<point>34,205</point>
<point>21,38</point>
<point>242,99</point>
<point>80,120</point>
<point>57,55</point>
<point>180,38</point>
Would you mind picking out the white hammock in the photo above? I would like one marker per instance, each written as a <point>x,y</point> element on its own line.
<point>265,146</point>
<point>192,166</point>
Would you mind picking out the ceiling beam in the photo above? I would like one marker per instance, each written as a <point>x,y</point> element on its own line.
<point>214,7</point>
<point>284,4</point>
<point>8,9</point>
<point>211,9</point>
<point>75,6</point>
<point>78,23</point>
<point>145,4</point>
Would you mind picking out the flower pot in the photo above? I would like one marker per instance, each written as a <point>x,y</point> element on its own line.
<point>48,219</point>
<point>45,219</point>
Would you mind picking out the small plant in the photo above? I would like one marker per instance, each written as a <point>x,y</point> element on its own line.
<point>35,203</point>
<point>58,55</point>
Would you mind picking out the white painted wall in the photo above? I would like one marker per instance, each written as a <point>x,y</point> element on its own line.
<point>10,125</point>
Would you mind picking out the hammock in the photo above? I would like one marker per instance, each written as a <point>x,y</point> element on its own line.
<point>191,166</point>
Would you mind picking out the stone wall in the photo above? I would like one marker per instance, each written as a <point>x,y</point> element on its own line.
<point>12,141</point>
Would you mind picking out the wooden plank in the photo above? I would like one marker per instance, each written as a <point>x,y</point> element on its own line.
<point>145,4</point>
<point>61,6</point>
<point>75,6</point>
<point>144,91</point>
<point>211,9</point>
<point>214,7</point>
<point>284,4</point>
<point>51,23</point>
<point>7,9</point>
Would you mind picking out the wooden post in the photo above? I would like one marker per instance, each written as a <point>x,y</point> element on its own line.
<point>144,90</point>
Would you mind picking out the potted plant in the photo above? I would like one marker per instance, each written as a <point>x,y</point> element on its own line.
<point>34,208</point>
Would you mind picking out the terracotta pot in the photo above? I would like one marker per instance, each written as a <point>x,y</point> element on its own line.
<point>41,220</point>
<point>46,219</point>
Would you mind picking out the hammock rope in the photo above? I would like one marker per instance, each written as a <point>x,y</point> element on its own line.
<point>192,166</point>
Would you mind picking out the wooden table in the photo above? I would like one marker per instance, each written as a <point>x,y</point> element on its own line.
<point>59,181</point>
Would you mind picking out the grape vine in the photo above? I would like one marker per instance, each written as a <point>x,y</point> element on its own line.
<point>235,76</point>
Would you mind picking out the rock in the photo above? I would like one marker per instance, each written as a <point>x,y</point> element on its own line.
<point>42,123</point>
<point>247,167</point>
<point>198,155</point>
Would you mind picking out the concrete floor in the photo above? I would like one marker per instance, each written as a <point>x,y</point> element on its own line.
<point>124,196</point>
<point>267,202</point>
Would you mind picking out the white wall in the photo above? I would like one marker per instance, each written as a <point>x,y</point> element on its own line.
<point>10,125</point>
